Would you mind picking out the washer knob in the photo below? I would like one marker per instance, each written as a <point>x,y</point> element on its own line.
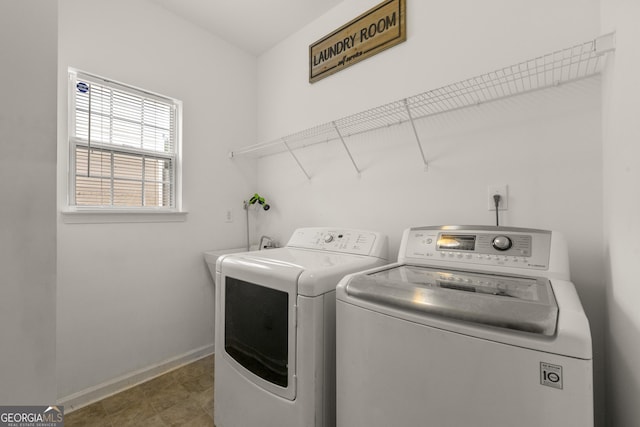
<point>328,238</point>
<point>501,243</point>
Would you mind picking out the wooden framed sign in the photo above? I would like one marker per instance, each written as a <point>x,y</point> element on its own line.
<point>374,31</point>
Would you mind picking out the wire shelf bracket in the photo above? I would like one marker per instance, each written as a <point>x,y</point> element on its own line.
<point>284,141</point>
<point>335,126</point>
<point>553,69</point>
<point>415,132</point>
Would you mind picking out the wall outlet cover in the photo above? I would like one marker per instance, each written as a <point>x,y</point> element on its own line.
<point>503,191</point>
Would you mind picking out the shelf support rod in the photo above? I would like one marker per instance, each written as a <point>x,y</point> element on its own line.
<point>335,126</point>
<point>415,132</point>
<point>284,141</point>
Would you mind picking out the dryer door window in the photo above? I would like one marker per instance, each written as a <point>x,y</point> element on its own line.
<point>256,329</point>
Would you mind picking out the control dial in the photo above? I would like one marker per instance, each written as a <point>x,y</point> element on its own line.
<point>328,238</point>
<point>501,243</point>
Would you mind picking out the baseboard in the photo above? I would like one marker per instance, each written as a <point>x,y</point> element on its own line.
<point>93,394</point>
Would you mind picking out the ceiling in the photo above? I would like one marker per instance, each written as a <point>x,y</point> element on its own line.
<point>252,25</point>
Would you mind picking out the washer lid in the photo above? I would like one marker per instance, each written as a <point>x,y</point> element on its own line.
<point>520,303</point>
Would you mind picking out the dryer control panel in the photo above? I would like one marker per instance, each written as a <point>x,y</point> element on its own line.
<point>357,242</point>
<point>492,246</point>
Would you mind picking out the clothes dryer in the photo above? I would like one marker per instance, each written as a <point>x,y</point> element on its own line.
<point>275,327</point>
<point>473,326</point>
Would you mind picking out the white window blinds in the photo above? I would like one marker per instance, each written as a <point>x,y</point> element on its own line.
<point>123,144</point>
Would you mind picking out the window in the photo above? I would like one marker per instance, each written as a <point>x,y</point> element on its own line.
<point>123,146</point>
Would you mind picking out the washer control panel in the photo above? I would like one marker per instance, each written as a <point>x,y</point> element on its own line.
<point>495,246</point>
<point>350,241</point>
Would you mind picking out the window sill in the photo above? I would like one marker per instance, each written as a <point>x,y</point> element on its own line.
<point>100,216</point>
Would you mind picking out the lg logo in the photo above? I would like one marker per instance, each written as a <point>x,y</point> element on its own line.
<point>551,375</point>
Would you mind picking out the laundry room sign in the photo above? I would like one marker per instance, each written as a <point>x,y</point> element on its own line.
<point>370,33</point>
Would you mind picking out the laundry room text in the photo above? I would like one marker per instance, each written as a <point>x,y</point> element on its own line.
<point>377,29</point>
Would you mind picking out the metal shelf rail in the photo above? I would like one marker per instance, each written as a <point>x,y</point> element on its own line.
<point>562,66</point>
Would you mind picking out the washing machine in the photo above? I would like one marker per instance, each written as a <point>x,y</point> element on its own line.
<point>275,327</point>
<point>473,326</point>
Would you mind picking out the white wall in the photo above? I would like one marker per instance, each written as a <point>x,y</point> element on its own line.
<point>27,211</point>
<point>132,296</point>
<point>621,207</point>
<point>547,146</point>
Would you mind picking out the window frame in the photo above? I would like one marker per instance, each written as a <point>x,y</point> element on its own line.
<point>97,213</point>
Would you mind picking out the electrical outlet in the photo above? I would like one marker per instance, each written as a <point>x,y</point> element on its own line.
<point>228,215</point>
<point>504,197</point>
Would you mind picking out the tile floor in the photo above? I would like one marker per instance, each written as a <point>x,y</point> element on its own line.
<point>182,397</point>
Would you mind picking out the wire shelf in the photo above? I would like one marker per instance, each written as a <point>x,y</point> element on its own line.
<point>559,67</point>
